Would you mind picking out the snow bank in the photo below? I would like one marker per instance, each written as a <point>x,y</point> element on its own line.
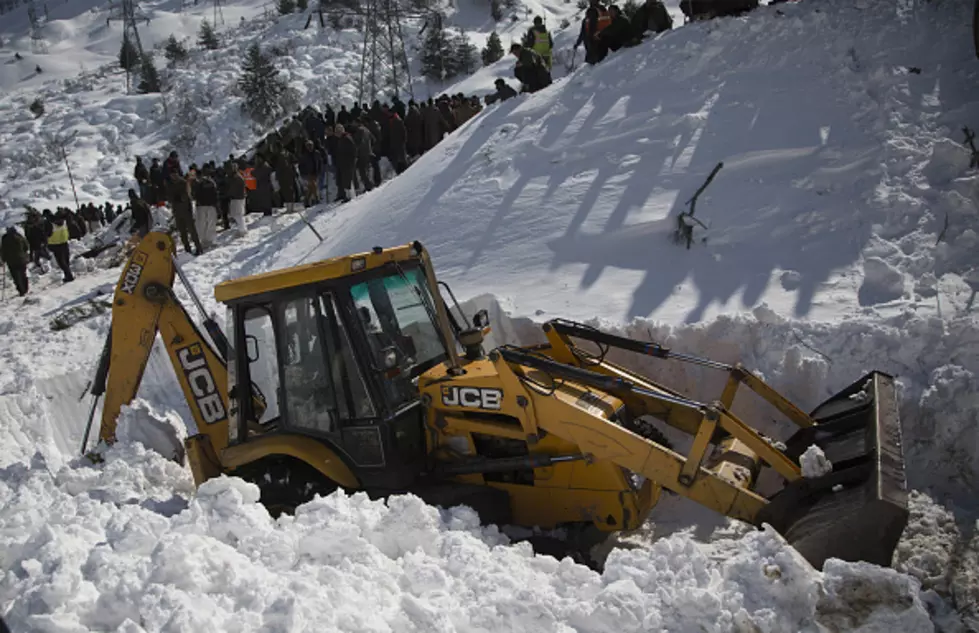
<point>81,554</point>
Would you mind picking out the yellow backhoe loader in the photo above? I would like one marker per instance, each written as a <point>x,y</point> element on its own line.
<point>354,372</point>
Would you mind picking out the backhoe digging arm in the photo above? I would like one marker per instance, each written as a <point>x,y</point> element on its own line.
<point>856,512</point>
<point>143,305</point>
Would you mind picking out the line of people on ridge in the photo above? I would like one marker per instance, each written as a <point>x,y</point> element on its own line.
<point>294,164</point>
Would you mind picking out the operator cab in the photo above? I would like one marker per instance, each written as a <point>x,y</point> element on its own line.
<point>334,353</point>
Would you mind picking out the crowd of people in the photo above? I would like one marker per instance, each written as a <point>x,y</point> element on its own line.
<point>309,158</point>
<point>605,29</point>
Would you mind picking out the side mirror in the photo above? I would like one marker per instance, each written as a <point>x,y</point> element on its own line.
<point>481,319</point>
<point>251,348</point>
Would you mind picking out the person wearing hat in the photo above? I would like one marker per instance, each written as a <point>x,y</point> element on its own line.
<point>142,217</point>
<point>178,193</point>
<point>14,252</point>
<point>503,90</point>
<point>540,41</point>
<point>530,69</point>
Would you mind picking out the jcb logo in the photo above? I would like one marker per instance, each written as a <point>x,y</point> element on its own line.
<point>133,273</point>
<point>472,397</point>
<point>201,382</point>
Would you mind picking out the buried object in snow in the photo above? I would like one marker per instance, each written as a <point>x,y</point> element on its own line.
<point>356,372</point>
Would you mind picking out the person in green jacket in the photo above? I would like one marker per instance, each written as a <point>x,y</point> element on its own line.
<point>540,41</point>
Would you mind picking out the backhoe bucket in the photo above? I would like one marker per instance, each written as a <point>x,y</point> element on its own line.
<point>858,511</point>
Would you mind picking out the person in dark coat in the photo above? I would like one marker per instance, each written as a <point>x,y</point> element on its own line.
<point>398,107</point>
<point>446,109</point>
<point>285,173</point>
<point>224,202</point>
<point>375,129</point>
<point>142,176</point>
<point>343,117</point>
<point>398,138</point>
<point>530,69</point>
<point>415,129</point>
<point>329,117</point>
<point>171,165</point>
<point>314,125</point>
<point>75,224</point>
<point>435,126</point>
<point>346,158</point>
<point>178,193</point>
<point>619,32</point>
<point>596,17</point>
<point>37,239</point>
<point>310,166</point>
<point>651,16</point>
<point>142,216</point>
<point>364,141</point>
<point>504,91</point>
<point>157,183</point>
<point>261,196</point>
<point>14,251</point>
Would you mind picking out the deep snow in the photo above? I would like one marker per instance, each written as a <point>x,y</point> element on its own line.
<point>840,165</point>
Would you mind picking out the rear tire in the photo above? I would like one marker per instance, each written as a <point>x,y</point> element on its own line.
<point>286,483</point>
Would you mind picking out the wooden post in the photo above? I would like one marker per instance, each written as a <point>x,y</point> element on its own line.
<point>71,179</point>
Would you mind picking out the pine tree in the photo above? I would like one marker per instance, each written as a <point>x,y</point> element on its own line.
<point>267,97</point>
<point>174,51</point>
<point>302,5</point>
<point>207,38</point>
<point>464,55</point>
<point>128,55</point>
<point>437,52</point>
<point>149,79</point>
<point>493,51</point>
<point>287,6</point>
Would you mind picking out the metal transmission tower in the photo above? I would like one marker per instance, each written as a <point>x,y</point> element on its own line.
<point>128,11</point>
<point>37,39</point>
<point>218,13</point>
<point>384,69</point>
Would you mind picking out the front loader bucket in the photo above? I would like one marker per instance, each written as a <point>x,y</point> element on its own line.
<point>858,511</point>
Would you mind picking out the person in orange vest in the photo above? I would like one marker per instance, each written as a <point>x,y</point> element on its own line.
<point>597,18</point>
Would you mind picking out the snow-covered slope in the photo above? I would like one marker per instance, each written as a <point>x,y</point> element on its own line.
<point>829,202</point>
<point>835,121</point>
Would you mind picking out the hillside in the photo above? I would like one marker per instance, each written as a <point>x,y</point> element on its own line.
<point>840,238</point>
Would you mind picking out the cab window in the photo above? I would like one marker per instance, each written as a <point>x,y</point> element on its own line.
<point>263,361</point>
<point>397,314</point>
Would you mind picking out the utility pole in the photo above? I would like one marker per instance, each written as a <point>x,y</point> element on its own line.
<point>37,39</point>
<point>128,11</point>
<point>218,13</point>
